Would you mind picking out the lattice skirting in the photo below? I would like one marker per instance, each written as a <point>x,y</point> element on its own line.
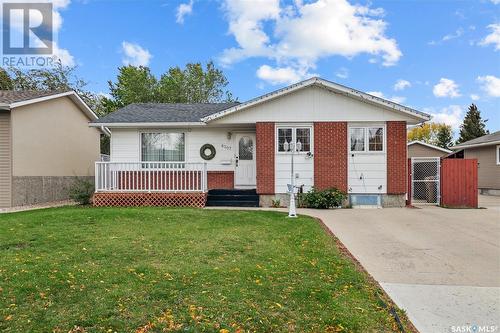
<point>128,199</point>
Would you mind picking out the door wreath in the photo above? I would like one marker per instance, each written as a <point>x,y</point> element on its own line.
<point>207,151</point>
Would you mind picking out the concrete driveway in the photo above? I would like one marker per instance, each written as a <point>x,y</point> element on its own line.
<point>441,265</point>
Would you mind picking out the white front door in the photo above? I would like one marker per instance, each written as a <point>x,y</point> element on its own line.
<point>244,174</point>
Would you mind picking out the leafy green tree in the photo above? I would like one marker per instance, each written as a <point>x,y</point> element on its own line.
<point>5,80</point>
<point>134,85</point>
<point>473,125</point>
<point>192,84</point>
<point>427,132</point>
<point>444,137</point>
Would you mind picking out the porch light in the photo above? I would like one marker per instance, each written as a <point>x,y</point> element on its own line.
<point>293,148</point>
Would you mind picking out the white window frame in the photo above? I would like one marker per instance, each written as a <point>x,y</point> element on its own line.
<point>367,138</point>
<point>294,128</point>
<point>166,132</point>
<point>498,154</point>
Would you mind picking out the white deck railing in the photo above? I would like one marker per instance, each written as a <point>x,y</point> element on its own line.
<point>150,177</point>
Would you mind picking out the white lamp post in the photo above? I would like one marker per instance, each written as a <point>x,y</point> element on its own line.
<point>292,147</point>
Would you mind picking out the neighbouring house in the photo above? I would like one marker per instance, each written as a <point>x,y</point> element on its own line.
<point>486,150</point>
<point>423,149</point>
<point>172,154</point>
<point>45,142</point>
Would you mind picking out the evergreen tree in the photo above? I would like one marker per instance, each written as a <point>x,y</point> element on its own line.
<point>444,137</point>
<point>473,125</point>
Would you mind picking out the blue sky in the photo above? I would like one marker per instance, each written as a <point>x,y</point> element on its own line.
<point>444,54</point>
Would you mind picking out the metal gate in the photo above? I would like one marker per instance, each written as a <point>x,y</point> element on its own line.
<point>425,180</point>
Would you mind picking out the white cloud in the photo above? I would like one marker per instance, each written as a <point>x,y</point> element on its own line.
<point>458,33</point>
<point>493,38</point>
<point>490,84</point>
<point>376,94</point>
<point>135,55</point>
<point>63,55</point>
<point>451,115</point>
<point>182,10</point>
<point>402,85</point>
<point>284,75</point>
<point>342,73</point>
<point>474,97</point>
<point>398,99</point>
<point>60,4</point>
<point>303,33</point>
<point>446,88</point>
<point>496,2</point>
<point>395,99</point>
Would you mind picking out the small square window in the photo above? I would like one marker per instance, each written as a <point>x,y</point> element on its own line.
<point>357,137</point>
<point>303,135</point>
<point>284,135</point>
<point>376,139</point>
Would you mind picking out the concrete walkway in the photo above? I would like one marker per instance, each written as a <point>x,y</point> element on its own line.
<point>441,265</point>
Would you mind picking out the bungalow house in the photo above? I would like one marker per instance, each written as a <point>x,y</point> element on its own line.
<point>486,149</point>
<point>171,154</point>
<point>45,143</point>
<point>424,149</point>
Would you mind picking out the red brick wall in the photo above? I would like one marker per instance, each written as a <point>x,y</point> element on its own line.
<point>265,157</point>
<point>397,174</point>
<point>220,180</point>
<point>330,155</point>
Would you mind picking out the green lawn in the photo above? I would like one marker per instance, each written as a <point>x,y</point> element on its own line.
<point>187,270</point>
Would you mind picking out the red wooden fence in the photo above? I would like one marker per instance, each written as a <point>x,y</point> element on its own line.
<point>459,183</point>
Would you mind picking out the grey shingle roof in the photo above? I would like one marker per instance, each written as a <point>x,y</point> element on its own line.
<point>493,137</point>
<point>163,113</point>
<point>9,96</point>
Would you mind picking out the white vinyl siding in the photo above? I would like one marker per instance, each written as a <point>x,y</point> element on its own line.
<point>5,160</point>
<point>126,145</point>
<point>313,104</point>
<point>367,170</point>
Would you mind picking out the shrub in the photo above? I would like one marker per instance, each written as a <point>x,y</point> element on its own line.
<point>324,199</point>
<point>276,203</point>
<point>81,191</point>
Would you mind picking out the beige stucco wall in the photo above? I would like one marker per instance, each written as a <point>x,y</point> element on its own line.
<point>52,138</point>
<point>417,150</point>
<point>488,171</point>
<point>5,160</point>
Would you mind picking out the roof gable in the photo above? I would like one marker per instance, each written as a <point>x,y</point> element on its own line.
<point>428,145</point>
<point>412,115</point>
<point>14,99</point>
<point>485,140</point>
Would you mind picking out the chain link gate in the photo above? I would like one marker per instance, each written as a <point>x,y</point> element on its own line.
<point>425,180</point>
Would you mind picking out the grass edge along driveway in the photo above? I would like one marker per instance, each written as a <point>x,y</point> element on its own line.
<point>82,269</point>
